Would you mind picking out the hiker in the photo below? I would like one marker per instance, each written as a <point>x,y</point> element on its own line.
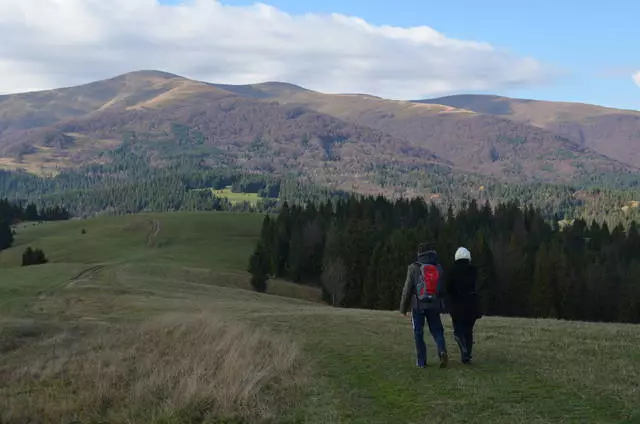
<point>422,289</point>
<point>462,297</point>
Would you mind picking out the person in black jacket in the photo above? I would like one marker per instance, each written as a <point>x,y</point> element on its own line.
<point>464,306</point>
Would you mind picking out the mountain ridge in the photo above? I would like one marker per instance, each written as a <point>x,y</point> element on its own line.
<point>612,132</point>
<point>329,136</point>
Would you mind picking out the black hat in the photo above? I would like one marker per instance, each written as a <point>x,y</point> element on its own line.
<point>424,248</point>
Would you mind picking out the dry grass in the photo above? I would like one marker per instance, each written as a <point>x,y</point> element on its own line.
<point>89,351</point>
<point>174,369</point>
<point>48,161</point>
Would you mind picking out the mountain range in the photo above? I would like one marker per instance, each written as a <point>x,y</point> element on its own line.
<point>333,138</point>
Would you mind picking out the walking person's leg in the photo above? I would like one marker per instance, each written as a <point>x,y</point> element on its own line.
<point>437,332</point>
<point>469,337</point>
<point>460,335</point>
<point>417,320</point>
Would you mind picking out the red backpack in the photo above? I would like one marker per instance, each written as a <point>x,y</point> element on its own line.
<point>427,285</point>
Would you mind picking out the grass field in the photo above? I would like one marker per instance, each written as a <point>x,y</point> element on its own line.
<point>234,198</point>
<point>147,319</point>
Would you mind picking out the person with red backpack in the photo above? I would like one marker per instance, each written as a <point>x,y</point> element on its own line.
<point>423,292</point>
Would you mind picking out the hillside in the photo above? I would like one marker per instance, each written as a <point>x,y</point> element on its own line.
<point>143,319</point>
<point>611,132</point>
<point>169,116</point>
<point>342,140</point>
<point>128,91</point>
<point>472,142</point>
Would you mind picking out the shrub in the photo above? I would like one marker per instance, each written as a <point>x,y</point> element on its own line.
<point>33,257</point>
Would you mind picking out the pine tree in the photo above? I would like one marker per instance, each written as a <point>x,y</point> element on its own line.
<point>259,268</point>
<point>486,282</point>
<point>282,238</point>
<point>334,272</point>
<point>33,257</point>
<point>629,298</point>
<point>31,213</point>
<point>375,282</point>
<point>312,248</point>
<point>359,250</point>
<point>296,254</point>
<point>6,235</point>
<point>27,256</point>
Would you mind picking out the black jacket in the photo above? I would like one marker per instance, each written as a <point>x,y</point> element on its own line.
<point>461,290</point>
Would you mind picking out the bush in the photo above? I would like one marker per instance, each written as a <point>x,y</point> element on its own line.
<point>33,257</point>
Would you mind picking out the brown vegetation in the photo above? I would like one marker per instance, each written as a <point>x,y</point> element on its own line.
<point>277,127</point>
<point>465,133</point>
<point>174,369</point>
<point>611,132</point>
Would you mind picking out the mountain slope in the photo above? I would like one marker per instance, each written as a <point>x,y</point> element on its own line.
<point>168,117</point>
<point>281,128</point>
<point>135,89</point>
<point>472,141</point>
<point>612,132</point>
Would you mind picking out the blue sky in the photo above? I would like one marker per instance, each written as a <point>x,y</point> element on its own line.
<point>596,43</point>
<point>581,51</point>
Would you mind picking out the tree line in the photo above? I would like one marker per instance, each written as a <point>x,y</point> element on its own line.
<point>358,250</point>
<point>602,196</point>
<point>147,174</point>
<point>137,187</point>
<point>12,213</point>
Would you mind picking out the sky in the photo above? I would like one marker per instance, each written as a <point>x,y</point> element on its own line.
<point>563,50</point>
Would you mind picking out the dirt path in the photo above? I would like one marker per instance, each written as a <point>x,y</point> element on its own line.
<point>155,230</point>
<point>86,274</point>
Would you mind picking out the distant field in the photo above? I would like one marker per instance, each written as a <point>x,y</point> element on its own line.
<point>234,198</point>
<point>144,319</point>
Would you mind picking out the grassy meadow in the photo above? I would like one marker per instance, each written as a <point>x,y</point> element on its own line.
<point>235,198</point>
<point>148,319</point>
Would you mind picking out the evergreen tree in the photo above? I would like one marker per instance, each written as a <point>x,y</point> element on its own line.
<point>6,235</point>
<point>259,268</point>
<point>296,254</point>
<point>31,212</point>
<point>282,240</point>
<point>629,301</point>
<point>334,271</point>
<point>359,248</point>
<point>33,257</point>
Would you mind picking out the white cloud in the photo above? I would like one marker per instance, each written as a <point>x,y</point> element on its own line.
<point>636,78</point>
<point>52,43</point>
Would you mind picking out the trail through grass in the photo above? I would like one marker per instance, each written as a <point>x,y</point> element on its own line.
<point>118,328</point>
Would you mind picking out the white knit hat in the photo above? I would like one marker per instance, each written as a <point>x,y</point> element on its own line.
<point>462,253</point>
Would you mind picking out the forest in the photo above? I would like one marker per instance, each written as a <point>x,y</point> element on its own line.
<point>143,175</point>
<point>358,251</point>
<point>13,213</point>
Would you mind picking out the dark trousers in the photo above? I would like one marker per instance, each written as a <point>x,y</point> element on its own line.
<point>432,317</point>
<point>463,333</point>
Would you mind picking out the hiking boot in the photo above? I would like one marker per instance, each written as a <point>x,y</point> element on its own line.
<point>444,359</point>
<point>463,347</point>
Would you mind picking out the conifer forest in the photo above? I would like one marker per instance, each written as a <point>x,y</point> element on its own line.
<point>358,251</point>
